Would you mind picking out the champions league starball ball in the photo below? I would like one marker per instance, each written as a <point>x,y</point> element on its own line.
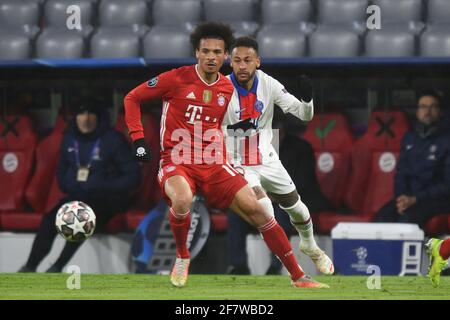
<point>75,221</point>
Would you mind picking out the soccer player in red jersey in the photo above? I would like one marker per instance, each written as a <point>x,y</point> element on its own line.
<point>193,156</point>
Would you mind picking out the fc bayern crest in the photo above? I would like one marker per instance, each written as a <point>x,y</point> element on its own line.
<point>221,100</point>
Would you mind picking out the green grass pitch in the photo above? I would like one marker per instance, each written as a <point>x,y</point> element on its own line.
<point>214,287</point>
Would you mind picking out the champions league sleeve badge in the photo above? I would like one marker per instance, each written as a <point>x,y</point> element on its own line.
<point>152,82</point>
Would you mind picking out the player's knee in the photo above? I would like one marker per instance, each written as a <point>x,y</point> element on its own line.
<point>287,200</point>
<point>256,213</point>
<point>182,203</point>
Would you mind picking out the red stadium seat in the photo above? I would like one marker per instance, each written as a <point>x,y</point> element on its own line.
<point>133,217</point>
<point>47,156</point>
<point>326,221</point>
<point>438,225</point>
<point>54,196</point>
<point>331,139</point>
<point>384,133</point>
<point>381,182</point>
<point>373,160</point>
<point>148,193</point>
<point>20,221</point>
<point>219,220</point>
<point>17,144</point>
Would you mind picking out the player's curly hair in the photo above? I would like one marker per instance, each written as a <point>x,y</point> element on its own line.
<point>212,30</point>
<point>248,42</point>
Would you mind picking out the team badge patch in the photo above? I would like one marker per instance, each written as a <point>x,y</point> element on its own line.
<point>152,82</point>
<point>221,100</point>
<point>170,169</point>
<point>259,106</point>
<point>207,96</point>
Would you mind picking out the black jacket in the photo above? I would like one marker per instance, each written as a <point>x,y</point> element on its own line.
<point>424,166</point>
<point>113,173</point>
<point>297,156</point>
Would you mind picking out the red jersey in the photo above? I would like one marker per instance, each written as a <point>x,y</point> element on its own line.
<point>189,103</point>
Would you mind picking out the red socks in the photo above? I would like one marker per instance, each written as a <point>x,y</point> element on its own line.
<point>444,250</point>
<point>279,244</point>
<point>180,224</point>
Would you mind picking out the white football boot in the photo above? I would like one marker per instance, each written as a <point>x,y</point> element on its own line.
<point>321,260</point>
<point>180,272</point>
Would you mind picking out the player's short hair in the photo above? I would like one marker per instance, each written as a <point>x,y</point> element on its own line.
<point>212,30</point>
<point>248,42</point>
<point>432,92</point>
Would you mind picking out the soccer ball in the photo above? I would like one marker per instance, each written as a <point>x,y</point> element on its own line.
<point>75,221</point>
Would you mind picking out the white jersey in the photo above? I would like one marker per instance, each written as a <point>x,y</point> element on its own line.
<point>269,92</point>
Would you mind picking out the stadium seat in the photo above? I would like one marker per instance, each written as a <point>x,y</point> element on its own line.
<point>148,193</point>
<point>275,12</point>
<point>373,159</point>
<point>324,222</point>
<point>118,13</point>
<point>438,12</point>
<point>115,43</point>
<point>380,189</point>
<point>390,41</point>
<point>40,187</point>
<point>230,10</point>
<point>186,13</point>
<point>384,133</point>
<point>330,136</point>
<point>435,41</point>
<point>219,220</point>
<point>242,17</point>
<point>55,14</point>
<point>341,11</point>
<point>244,28</point>
<point>167,42</point>
<point>329,41</point>
<point>281,42</point>
<point>438,225</point>
<point>59,43</point>
<point>399,11</point>
<point>19,13</point>
<point>17,146</point>
<point>14,44</point>
<point>20,221</point>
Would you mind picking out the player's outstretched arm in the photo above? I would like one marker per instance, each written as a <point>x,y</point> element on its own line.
<point>156,88</point>
<point>303,108</point>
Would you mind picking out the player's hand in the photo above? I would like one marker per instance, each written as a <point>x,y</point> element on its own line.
<point>403,202</point>
<point>243,125</point>
<point>141,151</point>
<point>306,88</point>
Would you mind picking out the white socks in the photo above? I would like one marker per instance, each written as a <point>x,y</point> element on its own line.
<point>301,220</point>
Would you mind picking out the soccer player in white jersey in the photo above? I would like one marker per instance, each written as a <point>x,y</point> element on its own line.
<point>251,109</point>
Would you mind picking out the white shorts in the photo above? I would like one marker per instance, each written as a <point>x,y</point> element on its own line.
<point>272,177</point>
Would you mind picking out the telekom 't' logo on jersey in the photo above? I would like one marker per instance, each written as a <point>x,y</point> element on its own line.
<point>195,113</point>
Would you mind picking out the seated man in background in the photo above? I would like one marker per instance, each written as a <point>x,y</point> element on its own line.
<point>422,180</point>
<point>297,156</point>
<point>96,166</point>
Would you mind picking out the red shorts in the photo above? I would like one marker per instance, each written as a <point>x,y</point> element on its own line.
<point>217,183</point>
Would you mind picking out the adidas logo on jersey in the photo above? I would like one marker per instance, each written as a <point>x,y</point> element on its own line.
<point>191,96</point>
